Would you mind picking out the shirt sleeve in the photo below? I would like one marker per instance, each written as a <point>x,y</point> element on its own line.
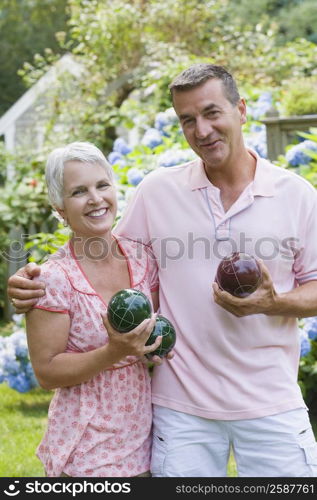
<point>305,265</point>
<point>134,224</point>
<point>152,270</point>
<point>57,290</point>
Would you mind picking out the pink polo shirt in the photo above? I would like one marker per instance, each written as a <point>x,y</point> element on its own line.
<point>225,367</point>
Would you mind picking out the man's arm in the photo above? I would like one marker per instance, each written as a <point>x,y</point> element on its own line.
<point>22,291</point>
<point>301,302</point>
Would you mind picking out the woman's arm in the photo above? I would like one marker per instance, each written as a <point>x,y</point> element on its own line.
<point>47,334</point>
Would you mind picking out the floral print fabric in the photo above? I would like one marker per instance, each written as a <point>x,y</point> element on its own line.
<point>100,428</point>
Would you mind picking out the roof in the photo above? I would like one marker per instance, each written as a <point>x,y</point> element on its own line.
<point>65,63</point>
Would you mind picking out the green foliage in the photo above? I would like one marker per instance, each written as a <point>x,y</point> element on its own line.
<point>23,198</point>
<point>309,172</point>
<point>298,20</point>
<point>300,97</point>
<point>307,377</point>
<point>42,244</point>
<point>290,18</point>
<point>26,28</point>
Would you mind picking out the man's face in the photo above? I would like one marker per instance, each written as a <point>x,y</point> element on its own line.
<point>211,124</point>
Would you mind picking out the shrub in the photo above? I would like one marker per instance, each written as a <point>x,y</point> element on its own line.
<point>300,98</point>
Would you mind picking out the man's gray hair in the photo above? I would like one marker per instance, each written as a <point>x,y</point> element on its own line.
<point>84,152</point>
<point>197,74</point>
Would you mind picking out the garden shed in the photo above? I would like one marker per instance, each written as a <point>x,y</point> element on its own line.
<point>23,125</point>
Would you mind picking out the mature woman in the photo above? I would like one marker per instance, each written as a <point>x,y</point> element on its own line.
<point>99,420</point>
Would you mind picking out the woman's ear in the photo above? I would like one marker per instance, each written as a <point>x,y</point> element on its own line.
<point>61,212</point>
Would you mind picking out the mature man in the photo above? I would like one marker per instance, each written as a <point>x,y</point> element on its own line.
<point>233,380</point>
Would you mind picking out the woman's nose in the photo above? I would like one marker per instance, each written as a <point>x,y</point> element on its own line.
<point>94,196</point>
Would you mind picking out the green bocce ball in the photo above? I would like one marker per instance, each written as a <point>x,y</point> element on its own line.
<point>165,328</point>
<point>127,309</point>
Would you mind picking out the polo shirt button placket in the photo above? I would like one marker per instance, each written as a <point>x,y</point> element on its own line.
<point>223,231</point>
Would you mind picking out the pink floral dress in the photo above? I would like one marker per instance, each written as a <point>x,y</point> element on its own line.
<point>100,428</point>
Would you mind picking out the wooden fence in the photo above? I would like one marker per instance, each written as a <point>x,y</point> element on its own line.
<point>282,131</point>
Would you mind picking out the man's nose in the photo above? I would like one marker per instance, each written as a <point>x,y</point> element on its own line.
<point>203,128</point>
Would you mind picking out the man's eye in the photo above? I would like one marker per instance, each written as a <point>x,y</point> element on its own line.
<point>190,121</point>
<point>104,185</point>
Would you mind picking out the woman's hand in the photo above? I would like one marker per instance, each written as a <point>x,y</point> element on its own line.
<point>131,343</point>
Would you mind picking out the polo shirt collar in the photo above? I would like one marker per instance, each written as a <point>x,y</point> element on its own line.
<point>262,185</point>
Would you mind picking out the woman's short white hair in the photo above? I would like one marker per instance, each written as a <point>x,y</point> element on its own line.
<point>54,172</point>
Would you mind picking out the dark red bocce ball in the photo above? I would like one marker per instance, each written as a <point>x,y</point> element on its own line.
<point>239,274</point>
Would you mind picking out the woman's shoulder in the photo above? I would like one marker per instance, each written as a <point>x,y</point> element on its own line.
<point>56,264</point>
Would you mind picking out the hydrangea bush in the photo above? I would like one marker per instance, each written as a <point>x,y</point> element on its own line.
<point>15,366</point>
<point>307,376</point>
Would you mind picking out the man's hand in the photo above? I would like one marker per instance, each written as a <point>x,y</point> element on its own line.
<point>157,360</point>
<point>262,301</point>
<point>22,291</point>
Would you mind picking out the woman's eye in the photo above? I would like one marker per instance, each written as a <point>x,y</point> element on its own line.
<point>77,192</point>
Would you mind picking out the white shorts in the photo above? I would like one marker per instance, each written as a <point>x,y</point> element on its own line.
<point>281,445</point>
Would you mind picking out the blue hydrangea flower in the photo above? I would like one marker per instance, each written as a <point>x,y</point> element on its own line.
<point>297,155</point>
<point>310,326</point>
<point>15,366</point>
<point>257,141</point>
<point>152,138</point>
<point>171,158</point>
<point>261,106</point>
<point>19,382</point>
<point>165,119</point>
<point>256,128</point>
<point>305,345</point>
<point>114,157</point>
<point>121,146</point>
<point>135,176</point>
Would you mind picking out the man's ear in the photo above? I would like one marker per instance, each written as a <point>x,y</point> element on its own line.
<point>242,107</point>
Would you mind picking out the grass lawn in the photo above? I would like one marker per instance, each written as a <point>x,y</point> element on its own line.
<point>23,420</point>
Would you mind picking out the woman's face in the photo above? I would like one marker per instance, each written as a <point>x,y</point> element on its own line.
<point>90,202</point>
